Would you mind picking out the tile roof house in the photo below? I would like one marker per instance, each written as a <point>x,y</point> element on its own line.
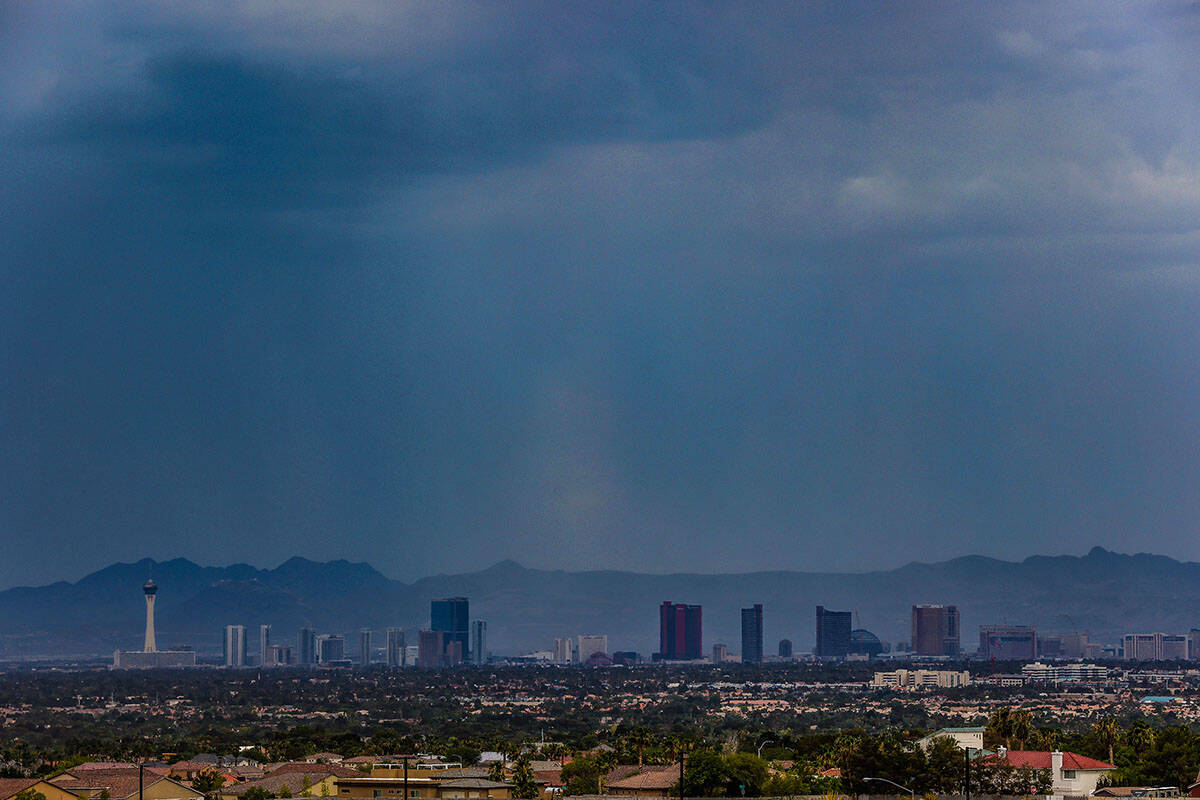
<point>1070,773</point>
<point>124,783</point>
<point>474,787</point>
<point>11,787</point>
<point>322,782</point>
<point>652,782</point>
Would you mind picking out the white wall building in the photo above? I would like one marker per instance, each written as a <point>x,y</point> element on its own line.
<point>963,738</point>
<point>1070,773</point>
<point>588,645</point>
<point>235,645</point>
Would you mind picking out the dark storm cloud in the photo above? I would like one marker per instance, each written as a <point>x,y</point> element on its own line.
<point>650,286</point>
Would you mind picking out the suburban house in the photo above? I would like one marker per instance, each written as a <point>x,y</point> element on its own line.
<point>316,781</point>
<point>122,784</point>
<point>11,787</point>
<point>1070,773</point>
<point>445,784</point>
<point>653,782</point>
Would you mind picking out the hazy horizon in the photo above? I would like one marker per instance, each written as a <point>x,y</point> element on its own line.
<point>813,569</point>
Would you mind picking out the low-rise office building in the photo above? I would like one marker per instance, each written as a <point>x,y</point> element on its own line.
<point>922,678</point>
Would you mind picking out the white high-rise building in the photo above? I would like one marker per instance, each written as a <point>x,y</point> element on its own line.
<point>151,589</point>
<point>330,647</point>
<point>1155,647</point>
<point>364,647</point>
<point>563,650</point>
<point>264,645</point>
<point>396,651</point>
<point>479,654</point>
<point>589,645</point>
<point>235,645</point>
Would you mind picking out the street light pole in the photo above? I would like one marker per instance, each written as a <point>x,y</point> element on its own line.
<point>911,793</point>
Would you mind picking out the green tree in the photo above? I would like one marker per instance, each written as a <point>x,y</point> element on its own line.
<point>285,791</point>
<point>1000,726</point>
<point>605,760</point>
<point>524,784</point>
<point>496,772</point>
<point>30,794</point>
<point>640,739</point>
<point>747,774</point>
<point>306,786</point>
<point>1140,737</point>
<point>1108,732</point>
<point>257,793</point>
<point>581,776</point>
<point>208,782</point>
<point>1021,723</point>
<point>705,774</point>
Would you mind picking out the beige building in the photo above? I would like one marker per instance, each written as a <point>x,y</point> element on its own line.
<point>922,678</point>
<point>11,787</point>
<point>963,738</point>
<point>122,784</point>
<point>317,783</point>
<point>432,784</point>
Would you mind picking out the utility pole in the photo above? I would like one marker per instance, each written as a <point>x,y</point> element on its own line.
<point>406,778</point>
<point>967,764</point>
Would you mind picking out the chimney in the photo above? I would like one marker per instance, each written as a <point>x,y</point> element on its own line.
<point>1001,753</point>
<point>1056,766</point>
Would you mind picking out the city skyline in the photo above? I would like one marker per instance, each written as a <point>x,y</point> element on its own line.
<point>1067,627</point>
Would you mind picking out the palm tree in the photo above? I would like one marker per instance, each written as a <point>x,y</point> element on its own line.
<point>555,752</point>
<point>1141,737</point>
<point>605,761</point>
<point>1020,725</point>
<point>1047,738</point>
<point>1001,723</point>
<point>1107,732</point>
<point>639,737</point>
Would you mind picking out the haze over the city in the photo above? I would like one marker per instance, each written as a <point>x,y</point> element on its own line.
<point>658,287</point>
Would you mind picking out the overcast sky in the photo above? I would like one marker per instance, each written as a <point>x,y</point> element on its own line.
<point>662,287</point>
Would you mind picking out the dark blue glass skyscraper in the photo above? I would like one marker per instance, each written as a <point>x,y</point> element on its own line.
<point>452,617</point>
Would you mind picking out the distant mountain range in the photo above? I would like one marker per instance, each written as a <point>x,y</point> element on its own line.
<point>1104,593</point>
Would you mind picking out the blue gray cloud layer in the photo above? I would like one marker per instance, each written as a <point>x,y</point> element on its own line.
<point>650,286</point>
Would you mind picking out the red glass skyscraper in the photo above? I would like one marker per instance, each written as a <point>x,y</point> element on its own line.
<point>680,635</point>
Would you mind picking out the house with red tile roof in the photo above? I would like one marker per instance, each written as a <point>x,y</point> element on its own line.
<point>11,787</point>
<point>1070,773</point>
<point>124,783</point>
<point>652,782</point>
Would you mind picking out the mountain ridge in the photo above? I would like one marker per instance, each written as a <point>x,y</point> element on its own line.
<point>1102,592</point>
